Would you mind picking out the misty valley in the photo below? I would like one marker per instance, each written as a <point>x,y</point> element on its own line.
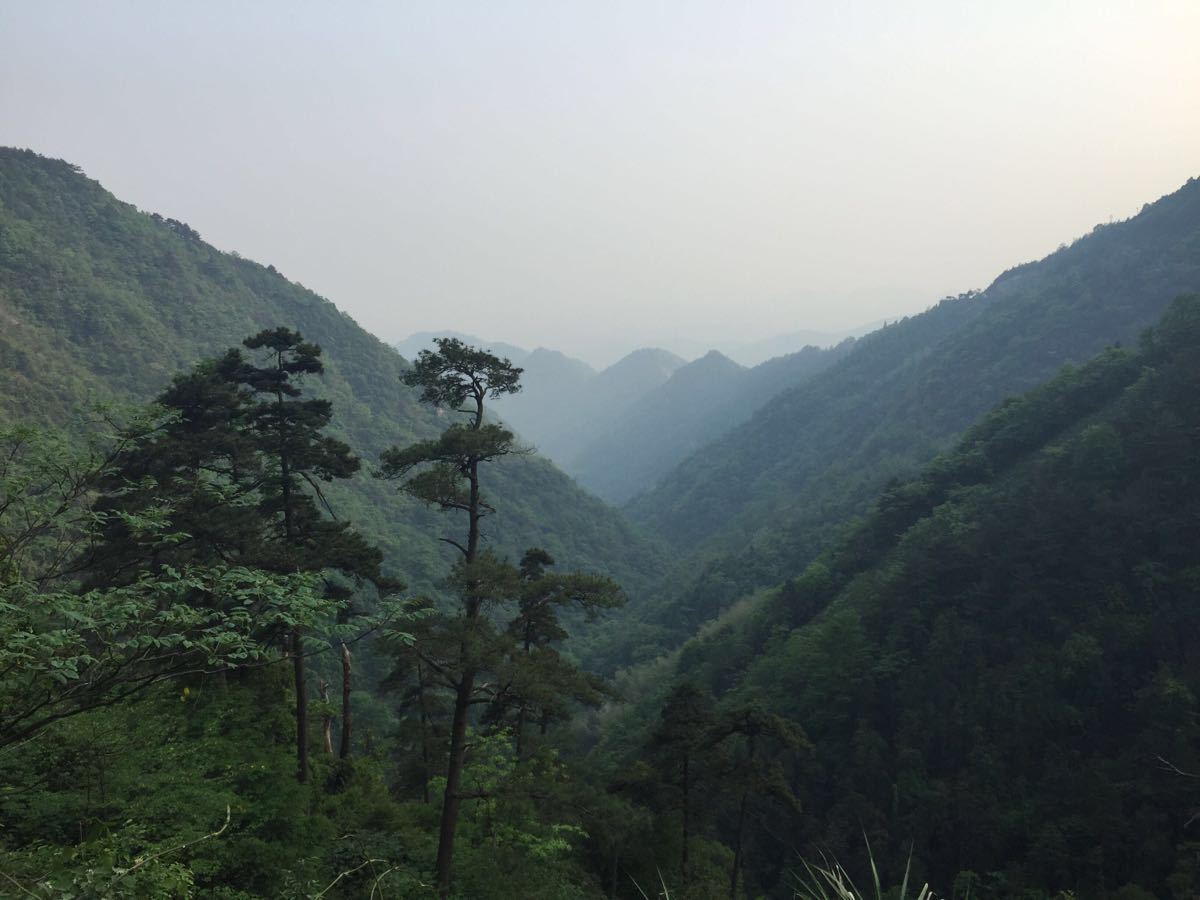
<point>290,611</point>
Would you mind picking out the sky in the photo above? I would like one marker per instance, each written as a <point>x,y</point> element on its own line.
<point>596,176</point>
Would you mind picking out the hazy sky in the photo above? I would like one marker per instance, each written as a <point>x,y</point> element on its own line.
<point>567,172</point>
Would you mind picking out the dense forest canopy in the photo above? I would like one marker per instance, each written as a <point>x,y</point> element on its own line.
<point>996,662</point>
<point>758,503</point>
<point>285,614</point>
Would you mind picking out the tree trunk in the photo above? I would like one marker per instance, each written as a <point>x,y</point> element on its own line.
<point>737,849</point>
<point>473,515</point>
<point>451,802</point>
<point>347,718</point>
<point>686,766</point>
<point>301,707</point>
<point>425,727</point>
<point>327,718</point>
<point>520,731</point>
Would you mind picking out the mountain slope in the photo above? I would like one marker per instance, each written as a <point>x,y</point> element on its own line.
<point>991,663</point>
<point>565,403</point>
<point>698,403</point>
<point>554,388</point>
<point>755,353</point>
<point>761,501</point>
<point>100,301</point>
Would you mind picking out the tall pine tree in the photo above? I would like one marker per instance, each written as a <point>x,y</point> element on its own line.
<point>445,472</point>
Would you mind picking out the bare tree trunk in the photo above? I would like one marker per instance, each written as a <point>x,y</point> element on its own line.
<point>520,729</point>
<point>737,849</point>
<point>444,867</point>
<point>301,707</point>
<point>327,718</point>
<point>686,822</point>
<point>452,800</point>
<point>347,715</point>
<point>425,727</point>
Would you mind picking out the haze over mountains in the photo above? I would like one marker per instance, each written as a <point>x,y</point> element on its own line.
<point>620,429</point>
<point>1000,636</point>
<point>99,301</point>
<point>651,431</point>
<point>807,501</point>
<point>960,552</point>
<point>746,352</point>
<point>756,505</point>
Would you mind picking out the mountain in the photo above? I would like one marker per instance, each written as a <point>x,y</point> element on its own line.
<point>423,340</point>
<point>753,353</point>
<point>698,403</point>
<point>99,301</point>
<point>553,387</point>
<point>631,376</point>
<point>565,403</point>
<point>996,667</point>
<point>755,506</point>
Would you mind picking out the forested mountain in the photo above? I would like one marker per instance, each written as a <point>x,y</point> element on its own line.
<point>619,430</point>
<point>764,499</point>
<point>564,402</point>
<point>554,391</point>
<point>960,624</point>
<point>996,667</point>
<point>99,301</point>
<point>698,403</point>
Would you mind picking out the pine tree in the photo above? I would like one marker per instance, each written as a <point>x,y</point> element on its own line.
<point>539,681</point>
<point>754,771</point>
<point>680,746</point>
<point>199,467</point>
<point>287,429</point>
<point>238,463</point>
<point>445,472</point>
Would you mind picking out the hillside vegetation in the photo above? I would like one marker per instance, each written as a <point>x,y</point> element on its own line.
<point>100,302</point>
<point>998,663</point>
<point>756,505</point>
<point>697,404</point>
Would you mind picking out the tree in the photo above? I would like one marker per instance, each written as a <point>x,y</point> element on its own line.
<point>239,457</point>
<point>539,681</point>
<point>63,652</point>
<point>197,459</point>
<point>287,429</point>
<point>444,472</point>
<point>679,745</point>
<point>753,775</point>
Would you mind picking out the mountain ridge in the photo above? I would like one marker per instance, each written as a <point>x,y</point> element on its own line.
<point>753,507</point>
<point>1018,613</point>
<point>105,302</point>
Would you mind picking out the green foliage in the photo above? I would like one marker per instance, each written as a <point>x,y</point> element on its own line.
<point>989,663</point>
<point>831,882</point>
<point>101,302</point>
<point>757,505</point>
<point>62,653</point>
<point>456,373</point>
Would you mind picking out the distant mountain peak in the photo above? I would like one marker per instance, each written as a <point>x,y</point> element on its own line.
<point>646,359</point>
<point>716,357</point>
<point>412,345</point>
